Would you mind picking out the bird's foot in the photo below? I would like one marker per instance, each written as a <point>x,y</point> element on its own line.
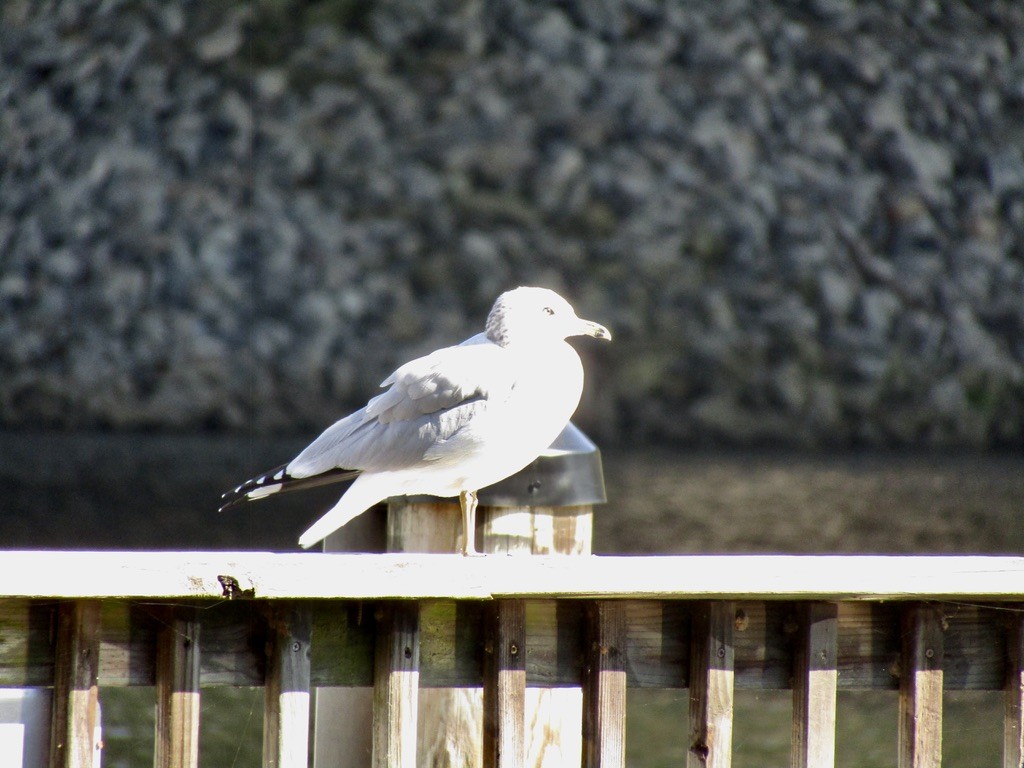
<point>471,551</point>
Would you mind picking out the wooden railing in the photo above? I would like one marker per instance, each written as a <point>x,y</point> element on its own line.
<point>290,622</point>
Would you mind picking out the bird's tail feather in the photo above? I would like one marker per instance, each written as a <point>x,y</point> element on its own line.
<point>357,499</point>
<point>278,480</point>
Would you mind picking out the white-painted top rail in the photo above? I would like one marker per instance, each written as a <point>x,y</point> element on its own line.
<point>75,574</point>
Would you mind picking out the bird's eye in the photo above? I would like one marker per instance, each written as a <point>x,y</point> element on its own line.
<point>548,311</point>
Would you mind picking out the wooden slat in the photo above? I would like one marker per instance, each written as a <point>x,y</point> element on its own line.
<point>75,713</point>
<point>231,638</point>
<point>554,716</point>
<point>657,643</point>
<point>504,733</point>
<point>128,646</point>
<point>656,640</point>
<point>451,641</point>
<point>286,692</point>
<point>604,687</point>
<point>920,716</point>
<point>450,719</point>
<point>975,648</point>
<point>712,663</point>
<point>343,650</point>
<point>396,686</point>
<point>763,643</point>
<point>1013,722</point>
<point>26,642</point>
<point>177,690</point>
<point>869,646</point>
<point>815,679</point>
<point>423,576</point>
<point>343,645</point>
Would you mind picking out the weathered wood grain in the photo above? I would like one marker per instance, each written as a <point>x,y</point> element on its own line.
<point>657,643</point>
<point>450,719</point>
<point>428,576</point>
<point>920,715</point>
<point>916,643</point>
<point>177,690</point>
<point>712,665</point>
<point>287,688</point>
<point>75,714</point>
<point>504,699</point>
<point>344,642</point>
<point>1013,717</point>
<point>604,686</point>
<point>396,686</point>
<point>26,642</point>
<point>563,530</point>
<point>554,716</point>
<point>815,678</point>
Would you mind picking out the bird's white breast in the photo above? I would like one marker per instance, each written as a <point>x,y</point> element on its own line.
<point>547,391</point>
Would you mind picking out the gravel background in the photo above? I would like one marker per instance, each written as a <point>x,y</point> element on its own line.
<point>804,220</point>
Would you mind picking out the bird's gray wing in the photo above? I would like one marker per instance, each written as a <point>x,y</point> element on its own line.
<point>427,402</point>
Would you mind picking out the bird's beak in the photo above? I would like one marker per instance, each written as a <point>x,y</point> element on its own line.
<point>598,331</point>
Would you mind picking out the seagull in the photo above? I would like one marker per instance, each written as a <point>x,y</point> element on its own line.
<point>451,422</point>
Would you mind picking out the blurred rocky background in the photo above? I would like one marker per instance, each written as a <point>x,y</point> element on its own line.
<point>802,219</point>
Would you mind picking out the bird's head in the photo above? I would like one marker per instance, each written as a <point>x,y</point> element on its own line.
<point>537,315</point>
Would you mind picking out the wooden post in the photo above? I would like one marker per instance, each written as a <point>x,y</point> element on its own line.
<point>424,526</point>
<point>712,663</point>
<point>1013,722</point>
<point>815,678</point>
<point>286,691</point>
<point>554,716</point>
<point>504,699</point>
<point>920,723</point>
<point>396,685</point>
<point>75,715</point>
<point>451,720</point>
<point>604,689</point>
<point>177,691</point>
<point>345,715</point>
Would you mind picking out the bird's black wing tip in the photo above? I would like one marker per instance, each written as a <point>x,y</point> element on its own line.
<point>230,503</point>
<point>233,498</point>
<point>240,494</point>
<point>284,482</point>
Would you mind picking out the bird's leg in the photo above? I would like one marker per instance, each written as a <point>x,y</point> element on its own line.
<point>467,501</point>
